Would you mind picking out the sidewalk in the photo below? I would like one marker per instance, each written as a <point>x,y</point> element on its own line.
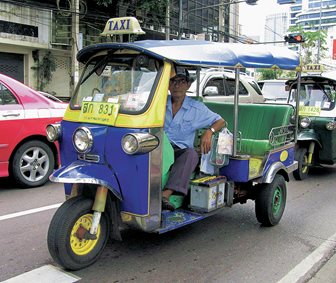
<point>327,274</point>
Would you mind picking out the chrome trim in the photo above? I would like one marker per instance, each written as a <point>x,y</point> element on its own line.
<point>84,181</point>
<point>146,142</point>
<point>272,171</point>
<point>89,157</point>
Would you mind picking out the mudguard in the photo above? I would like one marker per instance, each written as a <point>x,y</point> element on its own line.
<point>87,173</point>
<point>276,167</point>
<point>308,135</point>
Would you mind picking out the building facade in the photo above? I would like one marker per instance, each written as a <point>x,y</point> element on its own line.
<point>34,32</point>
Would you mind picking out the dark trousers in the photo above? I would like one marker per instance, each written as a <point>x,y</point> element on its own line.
<point>185,163</point>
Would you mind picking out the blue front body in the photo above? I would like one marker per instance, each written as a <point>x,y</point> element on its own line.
<point>130,172</point>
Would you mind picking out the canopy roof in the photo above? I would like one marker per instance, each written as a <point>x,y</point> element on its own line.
<point>205,53</point>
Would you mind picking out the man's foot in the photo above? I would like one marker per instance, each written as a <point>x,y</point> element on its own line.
<point>167,205</point>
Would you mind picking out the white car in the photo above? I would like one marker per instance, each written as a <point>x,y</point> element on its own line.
<point>274,91</point>
<point>218,85</point>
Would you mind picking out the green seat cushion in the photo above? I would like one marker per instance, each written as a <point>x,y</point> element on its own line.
<point>255,147</point>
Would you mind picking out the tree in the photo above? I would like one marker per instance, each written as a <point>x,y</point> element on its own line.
<point>309,49</point>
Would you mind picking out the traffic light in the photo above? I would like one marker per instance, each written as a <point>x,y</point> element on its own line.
<point>251,2</point>
<point>294,38</point>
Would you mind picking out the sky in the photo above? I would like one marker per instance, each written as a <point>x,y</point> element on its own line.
<point>252,17</point>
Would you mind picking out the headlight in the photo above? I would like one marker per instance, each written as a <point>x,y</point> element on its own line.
<point>53,132</point>
<point>305,122</point>
<point>82,140</point>
<point>331,125</point>
<point>139,143</point>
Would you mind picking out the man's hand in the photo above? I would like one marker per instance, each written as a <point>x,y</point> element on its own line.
<point>206,141</point>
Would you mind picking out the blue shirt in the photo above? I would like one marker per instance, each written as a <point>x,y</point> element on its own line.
<point>193,115</point>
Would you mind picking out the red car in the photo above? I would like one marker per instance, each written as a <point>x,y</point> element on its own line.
<point>25,153</point>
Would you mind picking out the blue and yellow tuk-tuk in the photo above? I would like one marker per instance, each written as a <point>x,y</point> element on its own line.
<point>116,157</point>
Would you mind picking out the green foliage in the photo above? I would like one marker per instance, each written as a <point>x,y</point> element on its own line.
<point>269,74</point>
<point>104,2</point>
<point>44,70</point>
<point>308,49</point>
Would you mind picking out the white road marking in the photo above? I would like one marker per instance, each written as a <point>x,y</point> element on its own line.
<point>311,263</point>
<point>46,273</point>
<point>29,211</point>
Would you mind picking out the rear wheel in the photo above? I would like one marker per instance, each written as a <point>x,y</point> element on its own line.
<point>301,156</point>
<point>33,162</point>
<point>68,243</point>
<point>271,201</point>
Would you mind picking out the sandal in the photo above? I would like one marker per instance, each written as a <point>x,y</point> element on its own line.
<point>167,205</point>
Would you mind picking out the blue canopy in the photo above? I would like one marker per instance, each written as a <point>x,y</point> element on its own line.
<point>205,53</point>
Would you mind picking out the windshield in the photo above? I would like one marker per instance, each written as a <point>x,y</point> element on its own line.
<point>124,80</point>
<point>315,95</point>
<point>275,90</point>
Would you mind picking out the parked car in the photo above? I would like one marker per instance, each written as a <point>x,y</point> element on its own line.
<point>218,85</point>
<point>25,153</point>
<point>274,91</point>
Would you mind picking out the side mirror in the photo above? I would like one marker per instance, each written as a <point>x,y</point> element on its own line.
<point>210,90</point>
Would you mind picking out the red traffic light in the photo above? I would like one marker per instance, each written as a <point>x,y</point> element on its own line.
<point>294,38</point>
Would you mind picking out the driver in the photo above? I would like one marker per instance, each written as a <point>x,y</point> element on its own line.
<point>184,116</point>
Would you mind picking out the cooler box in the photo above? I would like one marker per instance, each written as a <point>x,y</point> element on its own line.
<point>207,194</point>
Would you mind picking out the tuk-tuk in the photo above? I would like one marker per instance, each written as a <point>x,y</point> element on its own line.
<point>116,157</point>
<point>316,140</point>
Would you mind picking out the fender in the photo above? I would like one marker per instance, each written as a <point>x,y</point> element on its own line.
<point>87,173</point>
<point>309,135</point>
<point>273,170</point>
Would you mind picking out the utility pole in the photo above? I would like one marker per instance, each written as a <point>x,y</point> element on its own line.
<point>168,20</point>
<point>74,44</point>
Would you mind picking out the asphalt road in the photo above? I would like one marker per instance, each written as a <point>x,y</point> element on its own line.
<point>228,247</point>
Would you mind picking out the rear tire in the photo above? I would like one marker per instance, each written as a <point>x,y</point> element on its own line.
<point>65,247</point>
<point>33,162</point>
<point>301,156</point>
<point>271,201</point>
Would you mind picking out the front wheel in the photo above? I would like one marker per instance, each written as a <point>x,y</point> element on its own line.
<point>301,156</point>
<point>270,201</point>
<point>67,241</point>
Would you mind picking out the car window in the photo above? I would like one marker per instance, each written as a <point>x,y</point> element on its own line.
<point>6,97</point>
<point>216,82</point>
<point>231,86</point>
<point>255,87</point>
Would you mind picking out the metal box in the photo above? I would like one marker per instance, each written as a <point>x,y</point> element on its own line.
<point>207,193</point>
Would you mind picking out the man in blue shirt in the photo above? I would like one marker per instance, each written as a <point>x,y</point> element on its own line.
<point>184,116</point>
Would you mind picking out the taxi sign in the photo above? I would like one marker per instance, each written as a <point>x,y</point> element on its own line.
<point>313,68</point>
<point>99,112</point>
<point>124,25</point>
<point>309,110</point>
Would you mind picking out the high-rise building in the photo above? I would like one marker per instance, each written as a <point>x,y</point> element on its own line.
<point>276,25</point>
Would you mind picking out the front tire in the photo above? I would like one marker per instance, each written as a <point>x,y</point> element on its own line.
<point>271,201</point>
<point>65,243</point>
<point>33,162</point>
<point>301,156</point>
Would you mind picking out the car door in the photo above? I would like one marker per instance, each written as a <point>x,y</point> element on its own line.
<point>11,122</point>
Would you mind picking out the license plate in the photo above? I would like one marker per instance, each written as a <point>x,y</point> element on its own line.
<point>99,112</point>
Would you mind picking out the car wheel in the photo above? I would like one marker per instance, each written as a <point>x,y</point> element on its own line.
<point>301,156</point>
<point>271,201</point>
<point>33,162</point>
<point>68,241</point>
